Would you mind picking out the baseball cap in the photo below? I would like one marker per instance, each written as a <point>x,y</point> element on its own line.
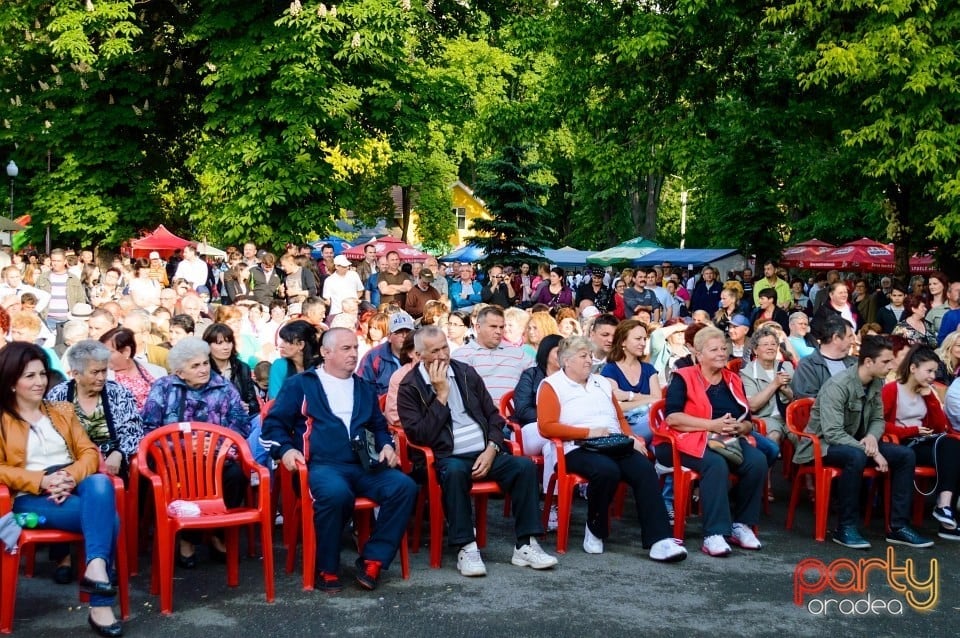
<point>740,320</point>
<point>154,255</point>
<point>589,312</point>
<point>401,321</point>
<point>426,274</point>
<point>341,260</point>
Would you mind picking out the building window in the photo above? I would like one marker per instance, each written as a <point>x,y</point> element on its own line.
<point>461,214</point>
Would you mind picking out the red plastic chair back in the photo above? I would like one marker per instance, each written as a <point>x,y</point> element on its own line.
<point>798,414</point>
<point>734,365</point>
<point>189,459</point>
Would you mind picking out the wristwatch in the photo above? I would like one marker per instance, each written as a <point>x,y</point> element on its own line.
<point>496,448</point>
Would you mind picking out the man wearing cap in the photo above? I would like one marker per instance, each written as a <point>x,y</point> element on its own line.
<point>595,291</point>
<point>497,291</point>
<point>737,331</point>
<point>420,294</point>
<point>158,270</point>
<point>379,364</point>
<point>393,283</point>
<point>341,284</point>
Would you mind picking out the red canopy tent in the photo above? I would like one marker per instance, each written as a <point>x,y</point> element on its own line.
<point>866,255</point>
<point>799,255</point>
<point>385,245</point>
<point>160,240</point>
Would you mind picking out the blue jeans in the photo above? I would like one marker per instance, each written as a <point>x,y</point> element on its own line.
<point>88,511</point>
<point>770,449</point>
<point>334,486</point>
<point>260,454</point>
<point>852,461</point>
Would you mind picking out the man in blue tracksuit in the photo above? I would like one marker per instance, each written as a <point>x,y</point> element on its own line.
<point>322,417</point>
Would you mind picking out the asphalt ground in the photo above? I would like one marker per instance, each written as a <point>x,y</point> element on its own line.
<point>618,593</point>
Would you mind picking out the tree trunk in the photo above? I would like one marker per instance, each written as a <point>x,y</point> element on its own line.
<point>898,214</point>
<point>645,204</point>
<point>404,212</point>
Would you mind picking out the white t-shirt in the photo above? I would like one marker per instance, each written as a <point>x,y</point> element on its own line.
<point>336,288</point>
<point>193,271</point>
<point>339,395</point>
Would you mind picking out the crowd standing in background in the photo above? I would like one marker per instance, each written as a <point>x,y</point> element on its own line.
<point>127,345</point>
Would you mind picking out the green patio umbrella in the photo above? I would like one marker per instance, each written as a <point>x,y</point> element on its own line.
<point>625,252</point>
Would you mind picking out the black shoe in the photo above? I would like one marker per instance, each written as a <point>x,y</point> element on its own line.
<point>97,587</point>
<point>368,573</point>
<point>216,555</point>
<point>329,583</point>
<point>906,535</point>
<point>63,575</point>
<point>187,562</point>
<point>108,631</point>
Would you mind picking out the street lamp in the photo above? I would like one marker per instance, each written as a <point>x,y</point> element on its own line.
<point>12,172</point>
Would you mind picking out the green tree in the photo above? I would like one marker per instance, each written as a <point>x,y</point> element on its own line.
<point>507,185</point>
<point>895,65</point>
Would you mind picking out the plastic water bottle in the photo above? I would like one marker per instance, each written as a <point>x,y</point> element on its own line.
<point>29,519</point>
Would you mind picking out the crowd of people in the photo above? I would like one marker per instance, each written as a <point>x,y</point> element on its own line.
<point>98,354</point>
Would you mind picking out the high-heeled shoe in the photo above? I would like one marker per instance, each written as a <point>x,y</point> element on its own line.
<point>107,631</point>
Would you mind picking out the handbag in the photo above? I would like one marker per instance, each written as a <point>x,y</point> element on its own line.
<point>613,445</point>
<point>727,446</point>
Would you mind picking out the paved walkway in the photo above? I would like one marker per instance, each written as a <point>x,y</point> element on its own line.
<point>619,593</point>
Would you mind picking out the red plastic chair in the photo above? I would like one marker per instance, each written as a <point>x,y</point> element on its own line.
<point>564,483</point>
<point>507,411</point>
<point>431,494</point>
<point>187,464</point>
<point>798,414</point>
<point>298,523</point>
<point>10,563</point>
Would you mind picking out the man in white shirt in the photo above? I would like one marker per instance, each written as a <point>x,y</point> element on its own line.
<point>192,268</point>
<point>13,285</point>
<point>341,284</point>
<point>330,412</point>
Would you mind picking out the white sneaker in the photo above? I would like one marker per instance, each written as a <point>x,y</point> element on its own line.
<point>553,519</point>
<point>744,537</point>
<point>715,546</point>
<point>591,544</point>
<point>532,555</point>
<point>668,550</point>
<point>469,561</point>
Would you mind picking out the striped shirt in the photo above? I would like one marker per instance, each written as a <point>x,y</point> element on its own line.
<point>467,434</point>
<point>58,307</point>
<point>499,367</point>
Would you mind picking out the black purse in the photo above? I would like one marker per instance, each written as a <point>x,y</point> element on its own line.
<point>613,445</point>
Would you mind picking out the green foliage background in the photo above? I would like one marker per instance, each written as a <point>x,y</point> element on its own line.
<point>239,120</point>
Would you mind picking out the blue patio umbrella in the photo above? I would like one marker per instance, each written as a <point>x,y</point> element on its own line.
<point>467,253</point>
<point>339,245</point>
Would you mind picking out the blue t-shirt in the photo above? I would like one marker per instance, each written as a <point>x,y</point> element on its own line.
<point>613,371</point>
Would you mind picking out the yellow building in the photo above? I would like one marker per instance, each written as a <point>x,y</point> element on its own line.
<point>466,208</point>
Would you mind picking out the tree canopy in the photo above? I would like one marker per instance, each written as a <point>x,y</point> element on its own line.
<point>237,120</point>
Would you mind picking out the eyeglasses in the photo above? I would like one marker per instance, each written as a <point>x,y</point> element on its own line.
<point>455,324</point>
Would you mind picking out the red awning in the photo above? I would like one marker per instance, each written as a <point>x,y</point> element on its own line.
<point>385,245</point>
<point>160,240</point>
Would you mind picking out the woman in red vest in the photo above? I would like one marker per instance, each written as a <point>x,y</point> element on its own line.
<point>705,400</point>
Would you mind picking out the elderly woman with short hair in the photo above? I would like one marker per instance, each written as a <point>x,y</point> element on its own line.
<point>704,400</point>
<point>573,404</point>
<point>108,413</point>
<point>193,393</point>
